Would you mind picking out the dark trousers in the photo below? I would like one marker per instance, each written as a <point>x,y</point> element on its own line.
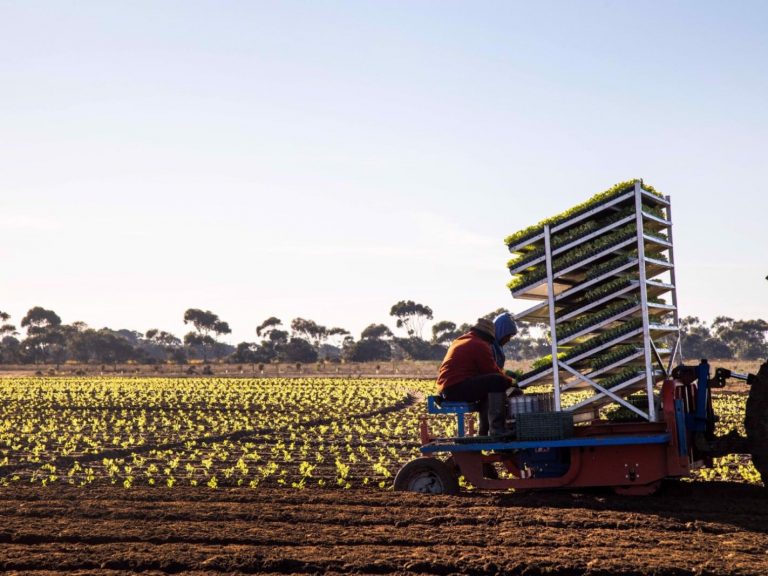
<point>476,389</point>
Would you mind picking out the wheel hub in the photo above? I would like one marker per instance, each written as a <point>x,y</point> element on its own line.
<point>427,483</point>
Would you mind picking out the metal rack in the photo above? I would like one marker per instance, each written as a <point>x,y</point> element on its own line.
<point>641,320</point>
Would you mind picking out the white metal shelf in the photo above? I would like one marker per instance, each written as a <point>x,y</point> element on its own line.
<point>516,268</point>
<point>594,304</point>
<point>561,294</point>
<point>598,326</point>
<point>653,218</point>
<point>540,311</point>
<point>573,275</point>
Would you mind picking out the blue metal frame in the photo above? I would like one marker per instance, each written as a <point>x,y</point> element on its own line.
<point>594,441</point>
<point>447,407</point>
<point>697,422</point>
<point>680,424</point>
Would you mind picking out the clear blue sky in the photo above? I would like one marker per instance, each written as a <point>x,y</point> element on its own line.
<point>326,159</point>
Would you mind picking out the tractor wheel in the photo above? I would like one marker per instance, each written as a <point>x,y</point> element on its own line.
<point>756,422</point>
<point>428,476</point>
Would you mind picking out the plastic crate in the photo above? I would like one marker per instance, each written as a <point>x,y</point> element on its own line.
<point>544,426</point>
<point>528,403</point>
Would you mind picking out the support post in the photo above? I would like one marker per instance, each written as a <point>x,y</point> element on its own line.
<point>649,383</point>
<point>676,314</point>
<point>552,317</point>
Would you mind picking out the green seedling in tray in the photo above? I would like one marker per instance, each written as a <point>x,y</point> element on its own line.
<point>624,258</point>
<point>594,202</point>
<point>622,413</point>
<point>598,292</point>
<point>594,318</point>
<point>582,252</point>
<point>516,374</point>
<point>572,234</point>
<point>541,364</point>
<point>619,378</point>
<point>613,355</point>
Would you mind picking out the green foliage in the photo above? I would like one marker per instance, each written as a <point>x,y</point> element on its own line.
<point>206,324</point>
<point>656,255</point>
<point>624,257</point>
<point>610,287</point>
<point>622,413</point>
<point>582,252</point>
<point>516,374</point>
<point>419,349</point>
<point>309,330</point>
<point>598,270</point>
<point>603,338</point>
<point>572,234</point>
<point>38,319</point>
<point>725,338</point>
<point>619,378</point>
<point>540,365</point>
<point>596,200</point>
<point>612,356</point>
<point>546,361</point>
<point>133,432</point>
<point>268,325</point>
<point>376,332</point>
<point>411,316</point>
<point>298,350</point>
<point>584,321</point>
<point>444,332</point>
<point>658,235</point>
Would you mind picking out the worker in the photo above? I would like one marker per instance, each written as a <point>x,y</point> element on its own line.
<point>469,373</point>
<point>504,329</point>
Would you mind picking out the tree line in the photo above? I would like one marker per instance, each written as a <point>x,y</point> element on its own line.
<point>48,340</point>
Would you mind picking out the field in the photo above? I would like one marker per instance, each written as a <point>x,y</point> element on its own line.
<point>294,476</point>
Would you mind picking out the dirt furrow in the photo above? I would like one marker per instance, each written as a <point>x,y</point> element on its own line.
<point>281,531</point>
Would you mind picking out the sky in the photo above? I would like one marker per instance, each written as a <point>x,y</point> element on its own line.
<point>325,160</point>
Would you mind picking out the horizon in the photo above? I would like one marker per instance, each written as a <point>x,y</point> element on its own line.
<point>327,161</point>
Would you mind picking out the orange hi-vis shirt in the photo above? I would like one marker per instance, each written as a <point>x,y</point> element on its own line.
<point>468,356</point>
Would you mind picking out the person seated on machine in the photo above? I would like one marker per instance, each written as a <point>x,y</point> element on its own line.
<point>504,328</point>
<point>469,373</point>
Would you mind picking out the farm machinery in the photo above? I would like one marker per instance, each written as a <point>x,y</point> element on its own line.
<point>613,405</point>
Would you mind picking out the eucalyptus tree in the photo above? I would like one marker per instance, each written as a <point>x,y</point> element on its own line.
<point>411,316</point>
<point>43,332</point>
<point>206,324</point>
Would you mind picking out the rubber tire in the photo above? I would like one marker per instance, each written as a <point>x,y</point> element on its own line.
<point>427,476</point>
<point>756,422</point>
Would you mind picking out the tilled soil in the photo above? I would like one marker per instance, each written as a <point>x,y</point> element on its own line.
<point>691,528</point>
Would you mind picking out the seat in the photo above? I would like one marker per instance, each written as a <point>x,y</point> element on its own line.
<point>439,405</point>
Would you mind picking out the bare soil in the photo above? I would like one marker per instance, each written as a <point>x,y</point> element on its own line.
<point>690,528</point>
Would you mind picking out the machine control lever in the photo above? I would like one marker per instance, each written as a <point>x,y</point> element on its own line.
<point>722,374</point>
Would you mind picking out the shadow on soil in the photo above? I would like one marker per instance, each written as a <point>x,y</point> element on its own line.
<point>705,504</point>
